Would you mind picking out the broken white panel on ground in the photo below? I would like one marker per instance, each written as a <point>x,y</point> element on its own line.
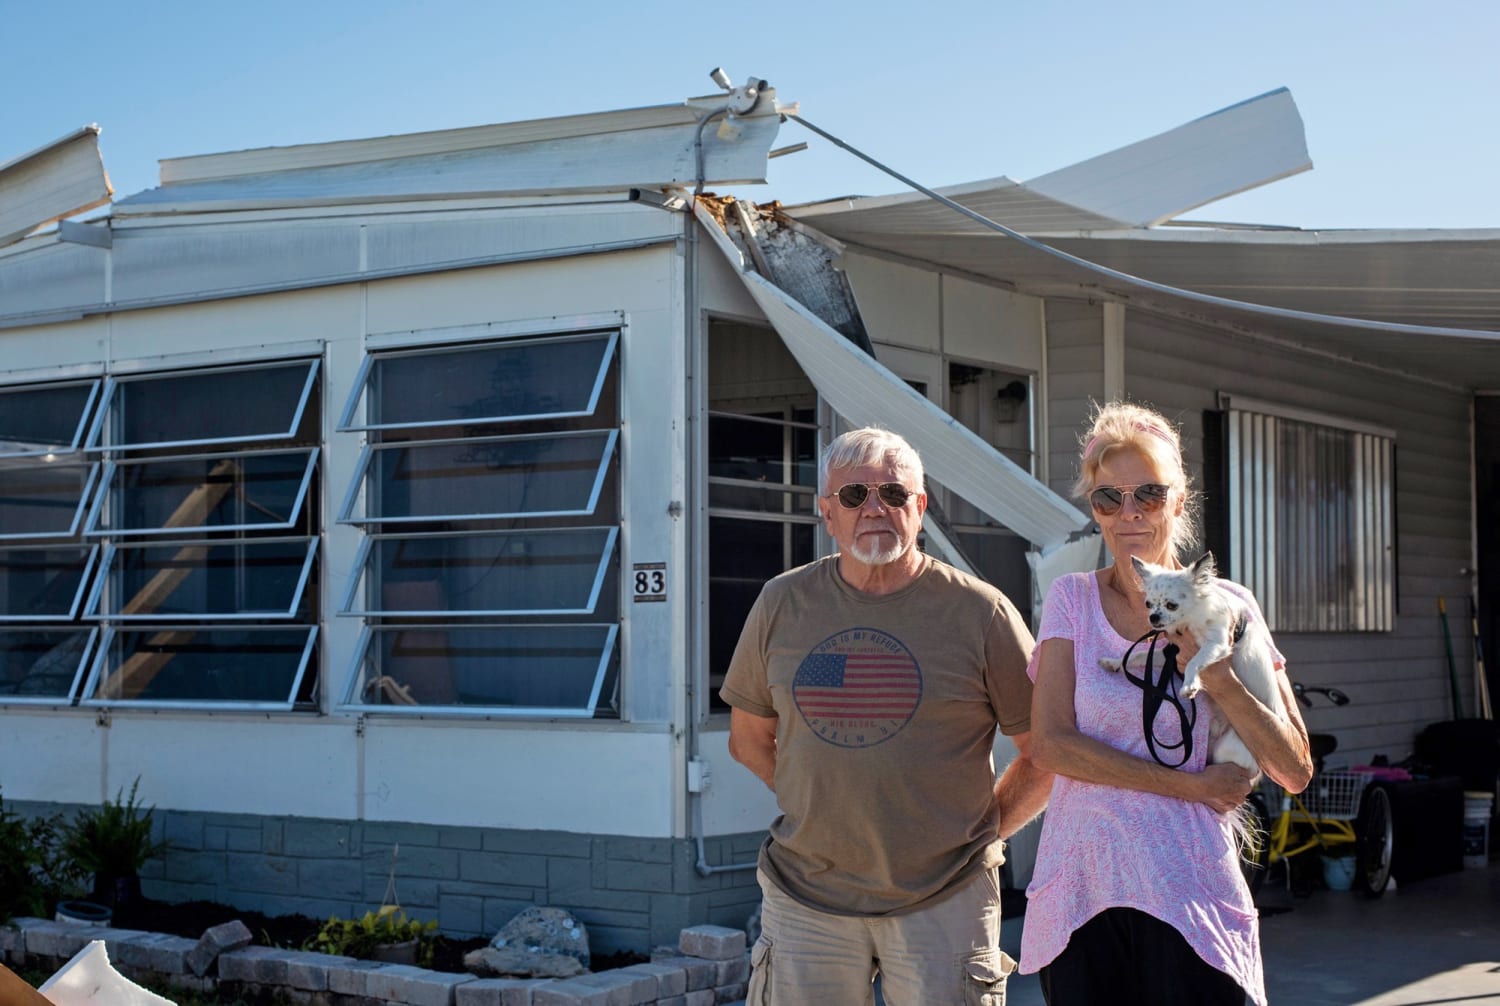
<point>90,980</point>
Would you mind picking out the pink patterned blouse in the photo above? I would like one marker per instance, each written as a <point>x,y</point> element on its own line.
<point>1103,847</point>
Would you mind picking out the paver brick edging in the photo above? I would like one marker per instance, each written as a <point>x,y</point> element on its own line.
<point>717,976</point>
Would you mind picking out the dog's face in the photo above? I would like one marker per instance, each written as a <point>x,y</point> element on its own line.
<point>1173,595</point>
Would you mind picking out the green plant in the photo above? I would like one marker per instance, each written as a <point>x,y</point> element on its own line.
<point>359,937</point>
<point>35,873</point>
<point>114,840</point>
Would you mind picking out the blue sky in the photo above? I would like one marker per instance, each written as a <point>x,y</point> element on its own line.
<point>1400,99</point>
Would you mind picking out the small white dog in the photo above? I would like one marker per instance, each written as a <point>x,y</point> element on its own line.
<point>1189,600</point>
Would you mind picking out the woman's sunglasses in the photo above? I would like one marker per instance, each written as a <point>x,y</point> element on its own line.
<point>853,495</point>
<point>1149,498</point>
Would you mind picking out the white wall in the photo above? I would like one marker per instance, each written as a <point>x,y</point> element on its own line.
<point>609,778</point>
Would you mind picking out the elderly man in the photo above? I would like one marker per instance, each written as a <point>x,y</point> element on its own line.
<point>866,689</point>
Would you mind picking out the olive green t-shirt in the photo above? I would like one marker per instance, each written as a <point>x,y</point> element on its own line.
<point>886,708</point>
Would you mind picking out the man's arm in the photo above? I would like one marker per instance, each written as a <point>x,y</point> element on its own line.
<point>1022,790</point>
<point>752,743</point>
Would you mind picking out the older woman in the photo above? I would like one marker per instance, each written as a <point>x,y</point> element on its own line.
<point>1137,895</point>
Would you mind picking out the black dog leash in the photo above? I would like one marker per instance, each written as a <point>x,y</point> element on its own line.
<point>1155,693</point>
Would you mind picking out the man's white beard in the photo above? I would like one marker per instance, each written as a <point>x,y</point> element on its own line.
<point>874,555</point>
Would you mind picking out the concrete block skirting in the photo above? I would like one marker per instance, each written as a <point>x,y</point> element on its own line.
<point>632,893</point>
<point>683,979</point>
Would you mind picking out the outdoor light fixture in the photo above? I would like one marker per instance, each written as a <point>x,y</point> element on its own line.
<point>1008,401</point>
<point>721,78</point>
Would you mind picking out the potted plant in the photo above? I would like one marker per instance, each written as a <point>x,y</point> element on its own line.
<point>383,935</point>
<point>113,842</point>
<point>35,874</point>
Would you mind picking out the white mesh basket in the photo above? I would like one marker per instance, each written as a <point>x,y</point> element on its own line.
<point>1335,795</point>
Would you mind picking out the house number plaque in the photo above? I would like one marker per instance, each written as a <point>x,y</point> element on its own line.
<point>650,581</point>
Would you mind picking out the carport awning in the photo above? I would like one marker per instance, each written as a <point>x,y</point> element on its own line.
<point>866,393</point>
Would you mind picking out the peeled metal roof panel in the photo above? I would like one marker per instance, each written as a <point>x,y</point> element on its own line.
<point>864,392</point>
<point>1003,199</point>
<point>232,164</point>
<point>1241,147</point>
<point>600,162</point>
<point>1246,145</point>
<point>54,181</point>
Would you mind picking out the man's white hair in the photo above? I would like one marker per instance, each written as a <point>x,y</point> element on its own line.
<point>871,445</point>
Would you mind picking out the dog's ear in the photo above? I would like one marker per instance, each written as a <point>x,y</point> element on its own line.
<point>1205,569</point>
<point>1141,568</point>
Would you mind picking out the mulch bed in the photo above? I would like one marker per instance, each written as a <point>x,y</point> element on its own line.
<point>191,918</point>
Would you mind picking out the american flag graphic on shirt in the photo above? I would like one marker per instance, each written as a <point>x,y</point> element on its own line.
<point>858,687</point>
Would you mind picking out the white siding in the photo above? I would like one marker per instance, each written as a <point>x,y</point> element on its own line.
<point>1075,380</point>
<point>462,773</point>
<point>1398,681</point>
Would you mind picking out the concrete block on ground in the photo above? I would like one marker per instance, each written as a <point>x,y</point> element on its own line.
<point>670,981</point>
<point>700,973</point>
<point>497,991</point>
<point>12,941</point>
<point>716,943</point>
<point>350,979</point>
<point>308,971</point>
<point>257,965</point>
<point>215,941</point>
<point>151,951</point>
<point>57,939</point>
<point>637,988</point>
<point>169,955</point>
<point>574,992</point>
<point>731,993</point>
<point>735,971</point>
<point>389,983</point>
<point>430,988</point>
<point>700,997</point>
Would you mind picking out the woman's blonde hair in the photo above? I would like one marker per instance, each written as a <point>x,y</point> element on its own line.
<point>1125,426</point>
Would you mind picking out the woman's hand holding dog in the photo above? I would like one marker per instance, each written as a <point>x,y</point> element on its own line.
<point>1224,787</point>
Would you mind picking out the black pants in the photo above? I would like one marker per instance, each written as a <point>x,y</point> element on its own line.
<point>1123,957</point>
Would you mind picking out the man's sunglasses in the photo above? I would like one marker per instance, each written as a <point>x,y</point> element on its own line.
<point>1149,498</point>
<point>853,495</point>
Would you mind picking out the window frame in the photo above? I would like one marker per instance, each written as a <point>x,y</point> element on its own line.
<point>358,682</point>
<point>75,607</point>
<point>87,496</point>
<point>603,424</point>
<point>79,670</point>
<point>79,429</point>
<point>113,383</point>
<point>359,483</point>
<point>361,388</point>
<point>112,549</point>
<point>88,696</point>
<point>367,547</point>
<point>92,530</point>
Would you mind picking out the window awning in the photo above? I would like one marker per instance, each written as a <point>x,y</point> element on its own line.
<point>866,393</point>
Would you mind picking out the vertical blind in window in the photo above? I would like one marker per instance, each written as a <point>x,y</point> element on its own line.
<point>1310,518</point>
